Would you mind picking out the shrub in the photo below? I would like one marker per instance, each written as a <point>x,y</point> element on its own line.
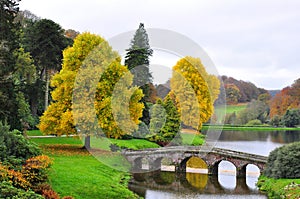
<point>16,178</point>
<point>283,162</point>
<point>255,122</point>
<point>50,194</point>
<point>16,148</point>
<point>9,191</point>
<point>35,170</point>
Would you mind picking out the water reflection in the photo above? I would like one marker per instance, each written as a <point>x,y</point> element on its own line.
<point>169,184</point>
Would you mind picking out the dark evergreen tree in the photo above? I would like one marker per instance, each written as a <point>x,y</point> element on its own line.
<point>291,118</point>
<point>165,123</point>
<point>9,43</point>
<point>45,40</point>
<point>137,61</point>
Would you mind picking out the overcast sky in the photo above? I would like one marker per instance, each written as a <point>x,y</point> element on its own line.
<point>257,41</point>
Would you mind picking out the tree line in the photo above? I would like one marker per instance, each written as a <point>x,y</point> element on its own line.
<point>283,109</point>
<point>31,52</point>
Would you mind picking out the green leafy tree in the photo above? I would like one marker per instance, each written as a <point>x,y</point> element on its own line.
<point>255,110</point>
<point>45,40</point>
<point>291,118</point>
<point>283,162</point>
<point>276,121</point>
<point>137,61</point>
<point>16,68</point>
<point>165,122</point>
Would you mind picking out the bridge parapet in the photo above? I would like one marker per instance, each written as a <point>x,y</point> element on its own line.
<point>179,156</point>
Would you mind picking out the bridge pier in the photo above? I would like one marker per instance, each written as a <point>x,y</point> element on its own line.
<point>241,171</point>
<point>213,169</point>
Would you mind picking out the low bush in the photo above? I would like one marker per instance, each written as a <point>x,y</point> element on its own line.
<point>35,170</point>
<point>283,162</point>
<point>255,122</point>
<point>15,147</point>
<point>7,190</point>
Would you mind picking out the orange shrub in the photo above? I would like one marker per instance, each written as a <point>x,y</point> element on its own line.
<point>35,169</point>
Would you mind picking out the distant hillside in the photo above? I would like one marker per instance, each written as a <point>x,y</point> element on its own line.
<point>273,92</point>
<point>239,91</point>
<point>245,91</point>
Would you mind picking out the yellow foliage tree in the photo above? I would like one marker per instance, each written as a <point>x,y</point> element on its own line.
<point>83,90</point>
<point>195,90</point>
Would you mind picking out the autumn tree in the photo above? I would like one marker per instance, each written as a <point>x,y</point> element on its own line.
<point>232,94</point>
<point>281,102</point>
<point>80,70</point>
<point>196,91</point>
<point>137,61</point>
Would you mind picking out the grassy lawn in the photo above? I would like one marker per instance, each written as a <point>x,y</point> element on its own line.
<point>75,172</point>
<point>235,108</point>
<point>230,108</point>
<point>192,139</point>
<point>278,188</point>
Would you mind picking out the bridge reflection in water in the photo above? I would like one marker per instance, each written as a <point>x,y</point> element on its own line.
<point>189,183</point>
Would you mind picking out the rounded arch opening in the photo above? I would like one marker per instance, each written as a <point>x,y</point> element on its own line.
<point>252,174</point>
<point>167,164</point>
<point>227,174</point>
<point>196,165</point>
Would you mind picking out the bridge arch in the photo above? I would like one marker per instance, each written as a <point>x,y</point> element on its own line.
<point>193,162</point>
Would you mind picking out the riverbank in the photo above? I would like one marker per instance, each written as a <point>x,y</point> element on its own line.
<point>280,188</point>
<point>248,128</point>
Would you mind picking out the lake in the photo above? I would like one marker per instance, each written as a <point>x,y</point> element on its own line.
<point>168,185</point>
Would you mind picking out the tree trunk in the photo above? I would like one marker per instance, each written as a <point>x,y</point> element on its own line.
<point>87,142</point>
<point>47,89</point>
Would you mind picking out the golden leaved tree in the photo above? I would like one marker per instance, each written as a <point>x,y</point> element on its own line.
<point>195,90</point>
<point>83,91</point>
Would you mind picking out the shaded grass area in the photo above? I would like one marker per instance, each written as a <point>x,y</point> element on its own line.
<point>77,173</point>
<point>280,188</point>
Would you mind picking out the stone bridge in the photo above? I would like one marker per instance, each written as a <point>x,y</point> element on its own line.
<point>179,156</point>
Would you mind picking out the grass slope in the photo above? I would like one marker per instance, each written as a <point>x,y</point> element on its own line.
<point>280,188</point>
<point>77,173</point>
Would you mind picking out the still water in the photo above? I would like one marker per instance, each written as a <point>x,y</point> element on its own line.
<point>169,185</point>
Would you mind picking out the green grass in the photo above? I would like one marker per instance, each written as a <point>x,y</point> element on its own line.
<point>277,188</point>
<point>230,108</point>
<point>57,140</point>
<point>135,144</point>
<point>192,139</point>
<point>75,172</point>
<point>34,133</point>
<point>84,177</point>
